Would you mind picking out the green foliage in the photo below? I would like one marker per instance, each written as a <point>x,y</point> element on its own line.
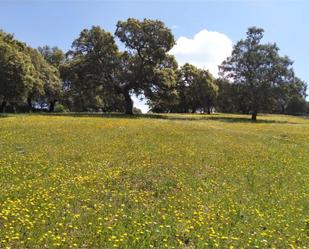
<point>95,76</point>
<point>60,108</point>
<point>296,105</point>
<point>48,86</point>
<point>195,89</point>
<point>147,43</point>
<point>25,74</point>
<point>17,73</point>
<point>54,55</point>
<point>147,40</point>
<point>91,70</point>
<point>95,69</point>
<point>263,75</point>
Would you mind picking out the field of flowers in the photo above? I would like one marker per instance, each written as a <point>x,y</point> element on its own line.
<point>170,181</point>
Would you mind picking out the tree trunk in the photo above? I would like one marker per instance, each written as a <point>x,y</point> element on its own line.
<point>129,103</point>
<point>29,104</point>
<point>2,107</point>
<point>282,109</point>
<point>208,108</point>
<point>52,105</point>
<point>13,107</point>
<point>254,115</point>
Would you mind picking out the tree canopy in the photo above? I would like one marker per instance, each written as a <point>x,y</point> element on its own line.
<point>261,73</point>
<point>96,75</point>
<point>24,74</point>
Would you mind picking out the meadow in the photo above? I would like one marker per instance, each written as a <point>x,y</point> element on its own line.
<point>163,181</point>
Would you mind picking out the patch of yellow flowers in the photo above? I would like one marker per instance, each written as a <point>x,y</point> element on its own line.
<point>188,182</point>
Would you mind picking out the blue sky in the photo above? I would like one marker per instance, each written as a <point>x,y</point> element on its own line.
<point>58,23</point>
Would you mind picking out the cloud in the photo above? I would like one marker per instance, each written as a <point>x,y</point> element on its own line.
<point>206,50</point>
<point>141,104</point>
<point>175,27</point>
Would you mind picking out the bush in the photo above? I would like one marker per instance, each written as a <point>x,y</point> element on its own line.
<point>60,108</point>
<point>137,110</point>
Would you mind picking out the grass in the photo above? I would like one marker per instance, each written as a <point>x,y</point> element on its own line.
<point>165,181</point>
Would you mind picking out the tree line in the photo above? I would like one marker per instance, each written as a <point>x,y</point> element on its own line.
<point>95,75</point>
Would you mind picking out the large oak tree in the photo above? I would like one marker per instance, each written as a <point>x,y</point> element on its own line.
<point>147,43</point>
<point>96,66</point>
<point>258,69</point>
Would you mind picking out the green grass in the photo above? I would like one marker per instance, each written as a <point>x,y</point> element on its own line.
<point>167,181</point>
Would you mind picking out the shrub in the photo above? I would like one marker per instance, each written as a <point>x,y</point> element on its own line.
<point>60,108</point>
<point>137,110</point>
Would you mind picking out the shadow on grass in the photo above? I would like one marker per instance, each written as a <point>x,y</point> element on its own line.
<point>192,117</point>
<point>3,115</point>
<point>246,120</point>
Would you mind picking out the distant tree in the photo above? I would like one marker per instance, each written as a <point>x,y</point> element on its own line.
<point>53,87</point>
<point>205,90</point>
<point>187,76</point>
<point>285,94</point>
<point>196,89</point>
<point>226,96</point>
<point>258,69</point>
<point>231,97</point>
<point>48,86</point>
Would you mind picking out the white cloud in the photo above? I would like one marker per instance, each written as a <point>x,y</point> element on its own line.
<point>206,50</point>
<point>141,104</point>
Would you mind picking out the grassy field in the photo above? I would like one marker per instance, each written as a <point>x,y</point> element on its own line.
<point>170,181</point>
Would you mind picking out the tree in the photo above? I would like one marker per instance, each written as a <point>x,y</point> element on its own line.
<point>196,89</point>
<point>91,72</point>
<point>147,43</point>
<point>187,76</point>
<point>25,74</point>
<point>294,90</point>
<point>205,91</point>
<point>53,85</point>
<point>96,67</point>
<point>258,68</point>
<point>17,74</point>
<point>53,55</point>
<point>164,99</point>
<point>225,100</point>
<point>296,105</point>
<point>47,86</point>
<point>231,97</point>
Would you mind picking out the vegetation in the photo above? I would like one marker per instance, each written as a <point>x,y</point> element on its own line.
<point>261,75</point>
<point>96,76</point>
<point>195,89</point>
<point>174,181</point>
<point>25,75</point>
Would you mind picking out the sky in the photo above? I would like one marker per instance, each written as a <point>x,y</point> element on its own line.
<point>204,30</point>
